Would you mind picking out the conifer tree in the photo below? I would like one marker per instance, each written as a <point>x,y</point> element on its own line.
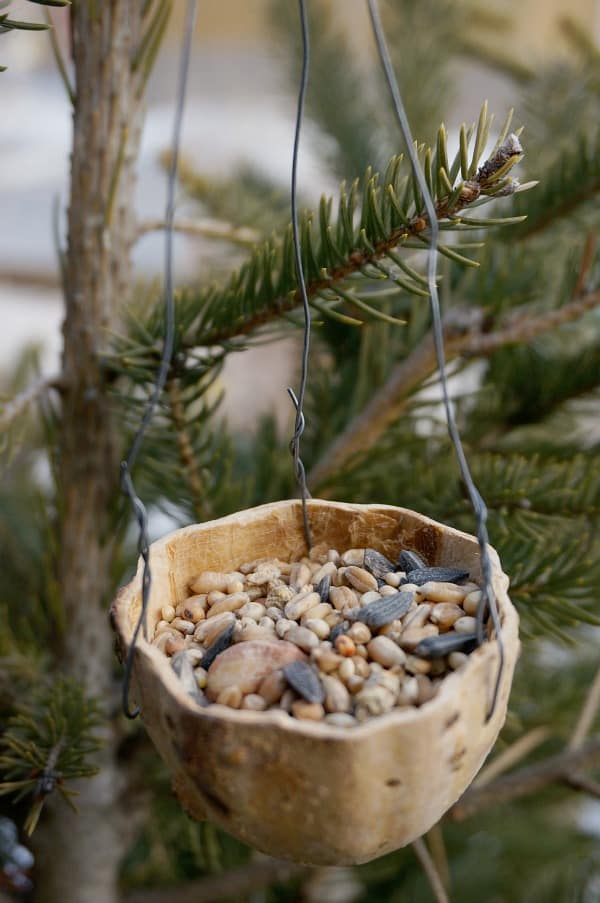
<point>520,298</point>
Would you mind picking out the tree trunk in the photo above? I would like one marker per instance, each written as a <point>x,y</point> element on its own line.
<point>78,855</point>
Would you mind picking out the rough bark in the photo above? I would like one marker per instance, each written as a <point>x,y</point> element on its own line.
<point>78,855</point>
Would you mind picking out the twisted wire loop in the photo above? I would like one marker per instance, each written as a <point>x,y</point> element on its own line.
<point>127,485</point>
<point>299,401</point>
<point>488,599</point>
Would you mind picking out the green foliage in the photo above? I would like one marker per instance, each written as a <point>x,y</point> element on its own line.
<point>48,742</point>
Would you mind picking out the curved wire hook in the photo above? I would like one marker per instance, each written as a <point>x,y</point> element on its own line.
<point>488,599</point>
<point>127,486</point>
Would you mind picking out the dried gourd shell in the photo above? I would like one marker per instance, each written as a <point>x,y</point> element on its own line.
<point>312,791</point>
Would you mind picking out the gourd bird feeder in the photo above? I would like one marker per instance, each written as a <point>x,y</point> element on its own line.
<point>302,790</point>
<point>305,790</point>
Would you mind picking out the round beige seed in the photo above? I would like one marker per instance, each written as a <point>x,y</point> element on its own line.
<point>209,581</point>
<point>266,623</point>
<point>393,578</point>
<point>359,632</point>
<point>174,644</point>
<point>345,645</point>
<point>183,626</point>
<point>361,666</point>
<point>228,603</point>
<point>346,669</point>
<point>334,618</point>
<point>254,702</point>
<point>311,711</point>
<point>445,614</point>
<point>387,590</point>
<point>360,579</point>
<point>353,557</point>
<point>253,610</point>
<point>282,626</point>
<point>465,625</point>
<point>300,604</point>
<point>231,696</point>
<point>409,692</point>
<point>418,616</point>
<point>426,689</point>
<point>341,719</point>
<point>192,610</point>
<point>302,637</point>
<point>317,611</point>
<point>234,585</point>
<point>342,597</point>
<point>273,687</point>
<point>201,678</point>
<point>162,626</point>
<point>208,631</point>
<point>383,650</point>
<point>371,596</point>
<point>411,638</point>
<point>319,627</point>
<point>443,592</point>
<point>470,603</point>
<point>326,570</point>
<point>416,665</point>
<point>167,612</point>
<point>337,697</point>
<point>355,683</point>
<point>457,659</point>
<point>326,660</point>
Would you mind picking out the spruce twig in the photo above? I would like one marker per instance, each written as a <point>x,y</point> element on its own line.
<point>388,402</point>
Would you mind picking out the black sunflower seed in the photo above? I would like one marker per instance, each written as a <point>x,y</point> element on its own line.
<point>377,564</point>
<point>222,642</point>
<point>338,630</point>
<point>304,680</point>
<point>439,575</point>
<point>440,646</point>
<point>385,610</point>
<point>323,588</point>
<point>410,561</point>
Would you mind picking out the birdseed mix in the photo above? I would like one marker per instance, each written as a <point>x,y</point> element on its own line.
<point>339,637</point>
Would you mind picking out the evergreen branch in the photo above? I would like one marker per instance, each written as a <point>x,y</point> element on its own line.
<point>588,714</point>
<point>207,228</point>
<point>512,755</point>
<point>47,743</point>
<point>391,213</point>
<point>430,870</point>
<point>15,407</point>
<point>572,180</point>
<point>527,781</point>
<point>186,451</point>
<point>388,402</point>
<point>58,57</point>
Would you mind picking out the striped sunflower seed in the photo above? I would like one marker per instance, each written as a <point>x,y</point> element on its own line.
<point>338,630</point>
<point>377,564</point>
<point>440,646</point>
<point>323,588</point>
<point>410,561</point>
<point>419,576</point>
<point>222,642</point>
<point>305,681</point>
<point>383,611</point>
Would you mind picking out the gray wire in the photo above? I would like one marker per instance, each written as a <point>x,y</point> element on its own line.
<point>127,484</point>
<point>488,600</point>
<point>299,401</point>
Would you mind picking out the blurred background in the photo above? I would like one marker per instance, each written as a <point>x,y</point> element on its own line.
<point>237,146</point>
<point>239,114</point>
